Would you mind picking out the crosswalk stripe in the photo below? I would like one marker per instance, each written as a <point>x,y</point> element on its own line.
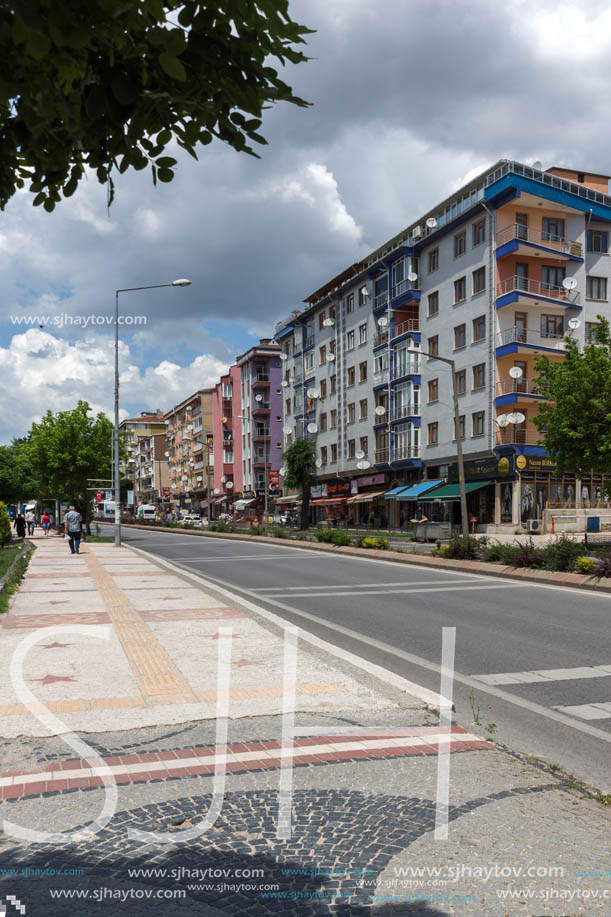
<point>588,711</point>
<point>539,675</point>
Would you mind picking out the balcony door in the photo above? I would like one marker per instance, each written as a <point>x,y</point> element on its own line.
<point>521,384</point>
<point>522,225</point>
<point>522,276</point>
<point>520,320</point>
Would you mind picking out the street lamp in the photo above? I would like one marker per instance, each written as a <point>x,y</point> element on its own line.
<point>181,282</point>
<point>209,447</point>
<point>259,400</point>
<point>459,455</point>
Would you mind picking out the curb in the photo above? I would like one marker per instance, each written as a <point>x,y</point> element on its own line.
<point>481,568</point>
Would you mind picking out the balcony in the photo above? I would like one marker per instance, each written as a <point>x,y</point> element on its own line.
<point>405,286</point>
<point>381,300</point>
<point>380,339</point>
<point>528,338</point>
<point>510,436</point>
<point>521,239</point>
<point>406,368</point>
<point>380,377</point>
<point>261,436</point>
<point>410,451</point>
<point>407,409</point>
<point>381,456</point>
<point>261,379</point>
<point>261,407</point>
<point>524,290</point>
<point>406,327</point>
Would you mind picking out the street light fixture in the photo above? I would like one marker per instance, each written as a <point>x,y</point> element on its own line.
<point>181,282</point>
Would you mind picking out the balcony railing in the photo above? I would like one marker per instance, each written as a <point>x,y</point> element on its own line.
<point>380,300</point>
<point>546,178</point>
<point>380,376</point>
<point>539,237</point>
<point>534,338</point>
<point>404,286</point>
<point>509,436</point>
<point>406,368</point>
<point>260,377</point>
<point>406,452</point>
<point>408,409</point>
<point>411,324</point>
<point>536,288</point>
<point>381,456</point>
<point>517,387</point>
<point>260,406</point>
<point>381,338</point>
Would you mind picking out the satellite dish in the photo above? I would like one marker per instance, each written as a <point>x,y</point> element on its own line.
<point>503,420</point>
<point>224,419</point>
<point>223,479</point>
<point>319,463</point>
<point>515,372</point>
<point>538,165</point>
<point>379,410</point>
<point>569,283</point>
<point>312,428</point>
<point>331,357</point>
<point>574,323</point>
<point>283,356</point>
<point>286,430</point>
<point>282,471</point>
<point>363,465</point>
<point>412,276</point>
<point>229,485</point>
<point>258,397</point>
<point>166,454</point>
<point>199,478</point>
<point>311,393</point>
<point>328,323</point>
<point>360,454</point>
<point>315,393</point>
<point>216,491</point>
<point>365,291</point>
<point>284,383</point>
<point>382,322</point>
<point>431,223</point>
<point>518,417</point>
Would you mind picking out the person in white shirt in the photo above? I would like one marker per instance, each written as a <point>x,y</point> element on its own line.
<point>72,528</point>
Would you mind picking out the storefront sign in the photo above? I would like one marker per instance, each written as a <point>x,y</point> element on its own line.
<point>319,490</point>
<point>166,491</point>
<point>337,488</point>
<point>370,479</point>
<point>273,477</point>
<point>490,468</point>
<point>535,463</point>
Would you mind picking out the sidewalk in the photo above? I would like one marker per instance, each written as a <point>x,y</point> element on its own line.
<point>365,786</point>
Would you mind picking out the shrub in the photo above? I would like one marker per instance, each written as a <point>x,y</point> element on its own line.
<point>464,548</point>
<point>378,543</point>
<point>333,536</point>
<point>503,554</point>
<point>529,555</point>
<point>603,567</point>
<point>442,551</point>
<point>5,526</point>
<point>562,555</point>
<point>585,565</point>
<point>221,526</point>
<point>278,532</point>
<point>323,535</point>
<point>257,530</point>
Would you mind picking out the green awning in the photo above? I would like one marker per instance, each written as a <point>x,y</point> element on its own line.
<point>451,492</point>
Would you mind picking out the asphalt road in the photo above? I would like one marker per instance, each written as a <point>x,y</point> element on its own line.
<point>523,652</point>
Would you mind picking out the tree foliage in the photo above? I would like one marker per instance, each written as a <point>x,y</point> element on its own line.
<point>5,525</point>
<point>299,459</point>
<point>17,483</point>
<point>110,83</point>
<point>577,419</point>
<point>68,448</point>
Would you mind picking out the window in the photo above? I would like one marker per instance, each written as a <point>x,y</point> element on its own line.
<point>522,225</point>
<point>362,334</point>
<point>323,455</point>
<point>596,288</point>
<point>553,230</point>
<point>322,422</point>
<point>479,232</point>
<point>323,388</point>
<point>363,371</point>
<point>433,390</point>
<point>295,403</point>
<point>552,277</point>
<point>433,260</point>
<point>350,302</point>
<point>309,360</point>
<point>460,289</point>
<point>433,301</point>
<point>363,409</point>
<point>479,328</point>
<point>363,296</point>
<point>461,426</point>
<point>460,336</point>
<point>479,375</point>
<point>351,448</point>
<point>332,382</point>
<point>352,412</point>
<point>380,363</point>
<point>552,326</point>
<point>477,421</point>
<point>332,312</point>
<point>333,453</point>
<point>479,280</point>
<point>333,419</point>
<point>434,346</point>
<point>363,444</point>
<point>321,319</point>
<point>598,241</point>
<point>460,243</point>
<point>332,346</point>
<point>287,406</point>
<point>323,354</point>
<point>433,434</point>
<point>350,376</point>
<point>591,332</point>
<point>350,340</point>
<point>461,381</point>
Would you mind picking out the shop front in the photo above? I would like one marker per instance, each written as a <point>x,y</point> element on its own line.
<point>404,502</point>
<point>367,506</point>
<point>328,503</point>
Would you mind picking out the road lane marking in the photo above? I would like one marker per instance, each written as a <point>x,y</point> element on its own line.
<point>269,590</point>
<point>539,675</point>
<point>311,594</point>
<point>588,711</point>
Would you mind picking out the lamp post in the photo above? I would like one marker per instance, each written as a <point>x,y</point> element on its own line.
<point>181,282</point>
<point>259,400</point>
<point>459,455</point>
<point>209,446</point>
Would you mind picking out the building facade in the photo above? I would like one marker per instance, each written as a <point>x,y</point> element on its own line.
<point>227,440</point>
<point>261,417</point>
<point>151,477</point>
<point>492,277</point>
<point>188,426</point>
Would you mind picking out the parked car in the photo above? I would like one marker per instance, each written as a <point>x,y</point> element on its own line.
<point>191,519</point>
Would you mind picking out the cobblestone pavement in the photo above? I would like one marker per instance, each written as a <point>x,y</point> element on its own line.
<point>364,803</point>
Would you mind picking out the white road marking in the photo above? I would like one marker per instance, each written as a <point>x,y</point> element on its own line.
<point>270,590</point>
<point>453,588</point>
<point>588,711</point>
<point>238,557</point>
<point>538,675</point>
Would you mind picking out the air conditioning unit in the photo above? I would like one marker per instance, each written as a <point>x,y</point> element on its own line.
<point>534,526</point>
<point>417,232</point>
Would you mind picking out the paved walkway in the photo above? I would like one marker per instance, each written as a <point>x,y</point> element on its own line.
<point>366,764</point>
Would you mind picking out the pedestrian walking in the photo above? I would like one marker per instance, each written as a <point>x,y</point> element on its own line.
<point>19,525</point>
<point>72,528</point>
<point>30,518</point>
<point>46,523</point>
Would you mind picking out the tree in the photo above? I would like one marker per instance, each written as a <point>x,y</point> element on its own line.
<point>300,459</point>
<point>5,526</point>
<point>109,84</point>
<point>17,482</point>
<point>69,448</point>
<point>577,418</point>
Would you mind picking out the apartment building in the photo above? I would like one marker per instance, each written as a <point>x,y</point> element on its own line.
<point>131,431</point>
<point>493,276</point>
<point>261,417</point>
<point>151,473</point>
<point>227,439</point>
<point>188,426</point>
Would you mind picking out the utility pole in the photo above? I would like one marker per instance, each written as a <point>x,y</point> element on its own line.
<point>209,443</point>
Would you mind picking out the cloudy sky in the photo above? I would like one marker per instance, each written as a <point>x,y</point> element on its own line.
<point>409,99</point>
